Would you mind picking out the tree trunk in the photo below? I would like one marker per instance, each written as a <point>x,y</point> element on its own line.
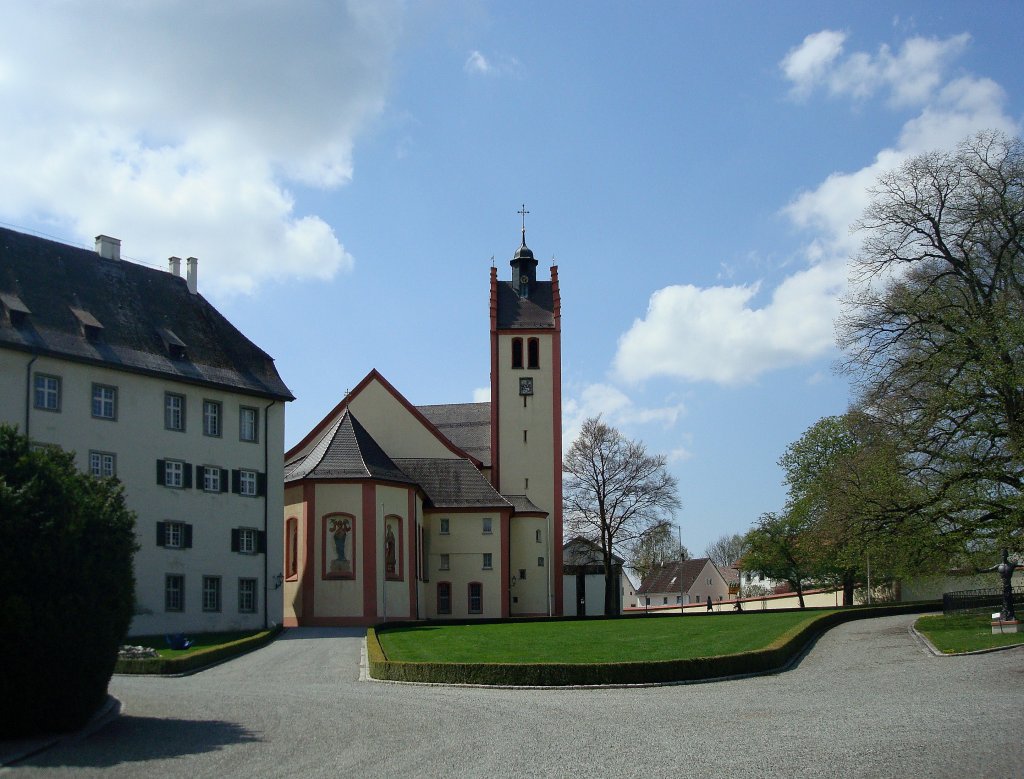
<point>848,582</point>
<point>800,594</point>
<point>609,591</point>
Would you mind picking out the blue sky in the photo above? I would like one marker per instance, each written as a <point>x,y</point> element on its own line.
<point>345,172</point>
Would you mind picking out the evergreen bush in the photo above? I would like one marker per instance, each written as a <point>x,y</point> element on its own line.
<point>66,587</point>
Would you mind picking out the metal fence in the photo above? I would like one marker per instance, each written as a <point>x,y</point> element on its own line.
<point>989,599</point>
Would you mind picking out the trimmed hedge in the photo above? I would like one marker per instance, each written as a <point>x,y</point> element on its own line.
<point>67,542</point>
<point>772,658</point>
<point>196,660</point>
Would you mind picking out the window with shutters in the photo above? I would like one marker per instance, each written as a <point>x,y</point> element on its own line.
<point>247,483</point>
<point>213,478</point>
<point>174,535</point>
<point>174,473</point>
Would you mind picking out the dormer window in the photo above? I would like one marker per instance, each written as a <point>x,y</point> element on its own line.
<point>14,310</point>
<point>175,347</point>
<point>89,325</point>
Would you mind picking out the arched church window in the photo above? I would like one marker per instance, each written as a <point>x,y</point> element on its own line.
<point>517,352</point>
<point>533,353</point>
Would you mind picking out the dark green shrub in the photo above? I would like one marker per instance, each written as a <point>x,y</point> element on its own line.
<point>198,660</point>
<point>66,587</point>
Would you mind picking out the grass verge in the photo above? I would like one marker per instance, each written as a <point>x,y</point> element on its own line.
<point>964,633</point>
<point>775,642</point>
<point>206,649</point>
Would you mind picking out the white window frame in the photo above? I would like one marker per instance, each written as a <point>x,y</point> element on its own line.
<point>104,401</point>
<point>247,591</point>
<point>102,464</point>
<point>488,563</point>
<point>211,593</point>
<point>488,526</point>
<point>248,417</point>
<point>46,392</point>
<point>213,413</point>
<point>211,478</point>
<point>174,474</point>
<point>247,540</point>
<point>445,526</point>
<point>248,483</point>
<point>174,412</point>
<point>445,562</point>
<point>174,535</point>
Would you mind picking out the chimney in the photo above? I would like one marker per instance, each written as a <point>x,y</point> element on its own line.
<point>174,265</point>
<point>108,248</point>
<point>193,275</point>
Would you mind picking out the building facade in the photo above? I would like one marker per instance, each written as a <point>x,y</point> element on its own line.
<point>394,511</point>
<point>136,373</point>
<point>681,583</point>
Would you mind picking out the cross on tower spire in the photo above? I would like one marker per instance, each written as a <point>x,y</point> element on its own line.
<point>523,212</point>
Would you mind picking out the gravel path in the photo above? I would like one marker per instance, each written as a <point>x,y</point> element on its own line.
<point>866,701</point>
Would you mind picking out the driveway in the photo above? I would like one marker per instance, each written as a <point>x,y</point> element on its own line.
<point>866,701</point>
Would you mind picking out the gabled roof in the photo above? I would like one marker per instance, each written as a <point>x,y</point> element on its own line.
<point>583,551</point>
<point>451,483</point>
<point>346,451</point>
<point>467,425</point>
<point>374,376</point>
<point>536,311</point>
<point>666,577</point>
<point>57,289</point>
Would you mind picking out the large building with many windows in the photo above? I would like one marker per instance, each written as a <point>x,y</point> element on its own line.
<point>397,511</point>
<point>133,370</point>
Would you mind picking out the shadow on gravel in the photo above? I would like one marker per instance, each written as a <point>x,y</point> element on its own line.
<point>141,739</point>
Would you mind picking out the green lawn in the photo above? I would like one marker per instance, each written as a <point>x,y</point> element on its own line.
<point>964,633</point>
<point>591,641</point>
<point>199,641</point>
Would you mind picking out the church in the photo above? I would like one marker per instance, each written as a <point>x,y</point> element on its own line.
<point>394,511</point>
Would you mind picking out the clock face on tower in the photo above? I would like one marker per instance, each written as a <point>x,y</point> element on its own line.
<point>524,279</point>
<point>526,385</point>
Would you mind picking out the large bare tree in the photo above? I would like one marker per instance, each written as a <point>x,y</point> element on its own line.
<point>933,331</point>
<point>614,493</point>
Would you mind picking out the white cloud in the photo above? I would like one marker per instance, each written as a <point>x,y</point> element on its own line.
<point>477,63</point>
<point>482,395</point>
<point>911,75</point>
<point>615,407</point>
<point>807,64</point>
<point>179,127</point>
<point>718,333</point>
<point>714,334</point>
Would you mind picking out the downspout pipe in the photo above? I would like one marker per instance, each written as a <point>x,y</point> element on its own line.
<point>28,393</point>
<point>266,515</point>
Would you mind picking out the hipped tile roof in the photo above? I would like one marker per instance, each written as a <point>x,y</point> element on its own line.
<point>536,311</point>
<point>665,578</point>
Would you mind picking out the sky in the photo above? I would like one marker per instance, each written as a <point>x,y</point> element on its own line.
<point>345,173</point>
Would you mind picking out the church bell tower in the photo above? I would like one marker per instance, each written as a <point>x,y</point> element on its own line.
<point>526,427</point>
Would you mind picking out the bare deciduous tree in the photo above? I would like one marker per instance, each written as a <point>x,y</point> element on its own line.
<point>614,492</point>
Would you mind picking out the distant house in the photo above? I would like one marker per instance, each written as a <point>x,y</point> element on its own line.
<point>134,371</point>
<point>583,582</point>
<point>681,583</point>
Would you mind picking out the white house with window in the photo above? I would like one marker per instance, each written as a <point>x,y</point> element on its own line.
<point>133,370</point>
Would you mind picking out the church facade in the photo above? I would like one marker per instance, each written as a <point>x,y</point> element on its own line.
<point>394,511</point>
